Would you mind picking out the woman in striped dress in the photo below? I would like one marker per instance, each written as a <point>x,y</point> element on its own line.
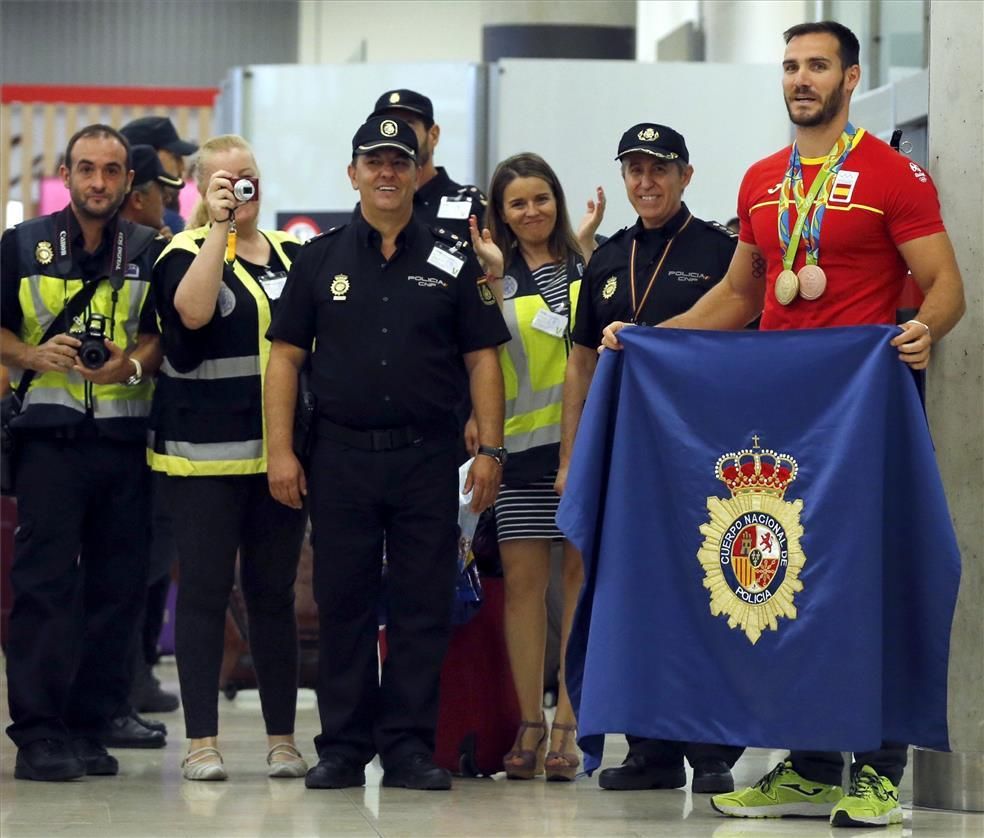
<point>534,264</point>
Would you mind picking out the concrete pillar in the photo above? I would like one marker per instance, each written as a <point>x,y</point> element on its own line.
<point>955,392</point>
<point>750,31</point>
<point>558,29</point>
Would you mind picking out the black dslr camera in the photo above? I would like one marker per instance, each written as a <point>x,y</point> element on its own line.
<point>93,352</point>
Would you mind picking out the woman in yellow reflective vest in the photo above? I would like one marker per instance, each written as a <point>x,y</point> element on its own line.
<point>534,264</point>
<point>216,284</point>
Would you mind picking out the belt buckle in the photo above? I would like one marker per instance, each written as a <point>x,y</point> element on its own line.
<point>381,440</point>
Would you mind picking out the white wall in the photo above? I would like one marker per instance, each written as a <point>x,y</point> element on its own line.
<point>531,110</point>
<point>389,30</point>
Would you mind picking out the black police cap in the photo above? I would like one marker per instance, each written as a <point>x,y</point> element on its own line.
<point>407,100</point>
<point>385,132</point>
<point>159,132</point>
<point>657,140</point>
<point>147,166</point>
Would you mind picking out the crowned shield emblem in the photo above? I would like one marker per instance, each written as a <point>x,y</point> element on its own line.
<point>751,553</point>
<point>340,287</point>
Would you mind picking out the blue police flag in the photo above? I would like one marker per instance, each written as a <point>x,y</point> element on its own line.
<point>769,559</point>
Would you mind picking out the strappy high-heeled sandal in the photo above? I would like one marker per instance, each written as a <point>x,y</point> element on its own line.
<point>290,764</point>
<point>201,765</point>
<point>526,763</point>
<point>562,764</point>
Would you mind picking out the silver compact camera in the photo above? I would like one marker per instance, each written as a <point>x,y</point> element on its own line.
<point>246,189</point>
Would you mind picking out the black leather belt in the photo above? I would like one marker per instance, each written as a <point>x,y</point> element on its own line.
<point>382,439</point>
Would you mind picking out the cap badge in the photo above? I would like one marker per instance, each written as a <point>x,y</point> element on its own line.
<point>394,98</point>
<point>648,135</point>
<point>388,128</point>
<point>340,287</point>
<point>44,253</point>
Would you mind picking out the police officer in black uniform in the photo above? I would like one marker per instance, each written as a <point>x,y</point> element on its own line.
<point>439,202</point>
<point>81,478</point>
<point>655,269</point>
<point>391,308</point>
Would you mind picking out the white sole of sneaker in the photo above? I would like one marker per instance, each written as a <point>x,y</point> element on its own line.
<point>844,819</point>
<point>784,810</point>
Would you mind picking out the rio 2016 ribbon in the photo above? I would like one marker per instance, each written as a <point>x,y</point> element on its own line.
<point>813,280</point>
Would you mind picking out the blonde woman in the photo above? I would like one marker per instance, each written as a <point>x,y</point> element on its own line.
<point>217,283</point>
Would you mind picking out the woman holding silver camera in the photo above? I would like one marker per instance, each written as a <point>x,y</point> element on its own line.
<point>217,283</point>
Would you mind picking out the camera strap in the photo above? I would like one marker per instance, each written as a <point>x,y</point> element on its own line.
<point>73,308</point>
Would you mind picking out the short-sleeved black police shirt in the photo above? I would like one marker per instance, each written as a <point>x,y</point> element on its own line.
<point>698,259</point>
<point>443,203</point>
<point>388,335</point>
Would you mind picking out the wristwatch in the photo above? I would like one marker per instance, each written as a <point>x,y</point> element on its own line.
<point>500,455</point>
<point>137,376</point>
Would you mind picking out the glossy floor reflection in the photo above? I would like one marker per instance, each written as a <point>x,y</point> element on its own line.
<point>149,798</point>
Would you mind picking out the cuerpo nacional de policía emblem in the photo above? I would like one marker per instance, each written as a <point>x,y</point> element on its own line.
<point>751,553</point>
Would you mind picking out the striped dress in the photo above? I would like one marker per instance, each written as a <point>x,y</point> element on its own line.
<point>531,512</point>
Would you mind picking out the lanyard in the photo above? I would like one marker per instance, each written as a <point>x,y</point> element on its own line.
<point>637,308</point>
<point>117,255</point>
<point>816,199</point>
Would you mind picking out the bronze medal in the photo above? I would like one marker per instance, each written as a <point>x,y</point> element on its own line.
<point>812,282</point>
<point>787,287</point>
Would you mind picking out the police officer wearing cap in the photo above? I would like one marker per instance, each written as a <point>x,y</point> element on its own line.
<point>646,273</point>
<point>439,202</point>
<point>159,132</point>
<point>391,308</point>
<point>145,202</point>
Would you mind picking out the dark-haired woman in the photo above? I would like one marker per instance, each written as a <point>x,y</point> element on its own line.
<point>534,262</point>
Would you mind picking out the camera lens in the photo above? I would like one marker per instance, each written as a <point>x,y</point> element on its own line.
<point>93,353</point>
<point>244,190</point>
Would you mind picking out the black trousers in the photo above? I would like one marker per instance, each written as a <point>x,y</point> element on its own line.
<point>78,579</point>
<point>214,517</point>
<point>407,499</point>
<point>669,753</point>
<point>828,766</point>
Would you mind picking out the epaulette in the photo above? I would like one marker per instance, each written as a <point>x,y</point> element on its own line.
<point>453,239</point>
<point>721,228</point>
<point>614,237</point>
<point>329,232</point>
<point>474,193</point>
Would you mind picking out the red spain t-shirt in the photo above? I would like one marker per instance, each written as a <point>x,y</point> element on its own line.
<point>880,200</point>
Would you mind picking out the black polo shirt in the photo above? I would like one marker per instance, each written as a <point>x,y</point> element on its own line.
<point>698,259</point>
<point>388,336</point>
<point>443,203</point>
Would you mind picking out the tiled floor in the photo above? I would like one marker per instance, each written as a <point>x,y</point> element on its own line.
<point>149,798</point>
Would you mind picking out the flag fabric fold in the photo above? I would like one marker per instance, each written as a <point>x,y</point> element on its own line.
<point>769,558</point>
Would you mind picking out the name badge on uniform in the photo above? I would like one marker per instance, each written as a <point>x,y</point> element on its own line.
<point>273,284</point>
<point>456,208</point>
<point>447,261</point>
<point>549,322</point>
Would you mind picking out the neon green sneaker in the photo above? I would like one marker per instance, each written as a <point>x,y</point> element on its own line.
<point>872,801</point>
<point>780,793</point>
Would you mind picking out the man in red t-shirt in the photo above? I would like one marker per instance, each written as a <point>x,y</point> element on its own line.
<point>829,230</point>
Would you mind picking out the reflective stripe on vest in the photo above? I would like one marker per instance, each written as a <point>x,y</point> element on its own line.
<point>42,298</point>
<point>182,458</point>
<point>533,365</point>
<point>207,459</point>
<point>216,368</point>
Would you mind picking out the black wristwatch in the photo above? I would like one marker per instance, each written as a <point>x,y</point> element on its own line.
<point>500,455</point>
